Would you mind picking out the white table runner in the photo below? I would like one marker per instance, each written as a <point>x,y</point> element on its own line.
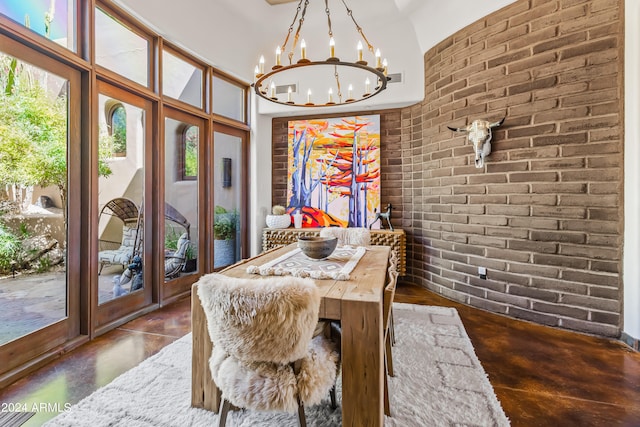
<point>294,263</point>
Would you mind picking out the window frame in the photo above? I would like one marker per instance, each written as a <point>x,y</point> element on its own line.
<point>49,339</point>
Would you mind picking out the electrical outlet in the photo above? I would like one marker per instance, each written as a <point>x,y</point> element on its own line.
<point>482,272</point>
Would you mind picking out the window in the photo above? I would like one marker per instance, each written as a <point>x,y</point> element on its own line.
<point>54,20</point>
<point>120,49</point>
<point>117,130</point>
<point>229,195</point>
<point>120,231</point>
<point>181,80</point>
<point>182,201</point>
<point>39,145</point>
<point>228,99</point>
<point>189,154</point>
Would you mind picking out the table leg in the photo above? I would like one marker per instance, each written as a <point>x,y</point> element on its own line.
<point>362,364</point>
<point>204,392</point>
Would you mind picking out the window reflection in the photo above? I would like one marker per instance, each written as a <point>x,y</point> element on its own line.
<point>181,199</point>
<point>121,185</point>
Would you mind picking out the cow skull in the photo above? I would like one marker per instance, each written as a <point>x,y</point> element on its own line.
<point>480,136</point>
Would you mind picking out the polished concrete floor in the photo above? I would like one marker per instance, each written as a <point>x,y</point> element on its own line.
<point>542,376</point>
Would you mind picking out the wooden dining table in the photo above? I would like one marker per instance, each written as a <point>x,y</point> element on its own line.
<point>356,303</point>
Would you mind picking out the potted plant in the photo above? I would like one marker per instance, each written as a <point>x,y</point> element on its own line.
<point>224,233</point>
<point>279,218</point>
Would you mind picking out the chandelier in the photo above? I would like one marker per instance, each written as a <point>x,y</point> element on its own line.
<point>362,81</point>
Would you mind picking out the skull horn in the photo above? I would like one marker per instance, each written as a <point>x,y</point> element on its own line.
<point>496,124</point>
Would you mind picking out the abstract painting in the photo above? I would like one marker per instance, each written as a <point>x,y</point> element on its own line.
<point>334,171</point>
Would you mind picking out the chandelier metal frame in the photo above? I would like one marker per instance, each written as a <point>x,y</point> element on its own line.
<point>378,73</point>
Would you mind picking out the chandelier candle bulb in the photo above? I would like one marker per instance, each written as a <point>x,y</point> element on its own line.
<point>384,65</point>
<point>289,94</point>
<point>309,96</point>
<point>273,90</point>
<point>378,59</point>
<point>257,72</point>
<point>261,64</point>
<point>278,53</point>
<point>367,86</point>
<point>330,96</point>
<point>359,51</point>
<point>350,92</point>
<point>303,49</point>
<point>332,48</point>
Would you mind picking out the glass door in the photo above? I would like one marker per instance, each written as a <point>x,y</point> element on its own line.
<point>39,204</point>
<point>229,183</point>
<point>182,208</point>
<point>123,282</point>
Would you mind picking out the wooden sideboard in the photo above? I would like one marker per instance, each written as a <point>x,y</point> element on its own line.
<point>274,237</point>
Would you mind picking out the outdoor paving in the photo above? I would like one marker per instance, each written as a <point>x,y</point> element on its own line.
<point>29,302</point>
<point>32,301</point>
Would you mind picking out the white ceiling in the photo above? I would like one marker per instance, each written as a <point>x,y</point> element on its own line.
<point>232,34</point>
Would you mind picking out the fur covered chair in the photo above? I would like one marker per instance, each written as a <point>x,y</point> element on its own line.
<point>265,356</point>
<point>354,236</point>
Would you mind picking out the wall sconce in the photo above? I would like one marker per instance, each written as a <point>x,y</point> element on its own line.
<point>226,172</point>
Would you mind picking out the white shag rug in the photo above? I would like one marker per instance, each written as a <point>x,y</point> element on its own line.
<point>438,382</point>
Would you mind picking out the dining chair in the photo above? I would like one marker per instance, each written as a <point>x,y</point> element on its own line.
<point>265,355</point>
<point>392,273</point>
<point>387,316</point>
<point>354,236</point>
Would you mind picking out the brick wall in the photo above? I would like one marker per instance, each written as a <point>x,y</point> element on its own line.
<point>544,215</point>
<point>390,158</point>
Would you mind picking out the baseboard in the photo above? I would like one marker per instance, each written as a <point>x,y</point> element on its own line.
<point>632,342</point>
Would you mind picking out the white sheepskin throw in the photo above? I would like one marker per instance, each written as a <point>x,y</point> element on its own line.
<point>260,320</point>
<point>258,326</point>
<point>354,236</point>
<point>265,386</point>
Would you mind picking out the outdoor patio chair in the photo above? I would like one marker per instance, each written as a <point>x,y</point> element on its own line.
<point>124,254</point>
<point>174,262</point>
<point>128,213</point>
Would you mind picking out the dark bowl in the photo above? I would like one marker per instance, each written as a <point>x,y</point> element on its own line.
<point>317,247</point>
